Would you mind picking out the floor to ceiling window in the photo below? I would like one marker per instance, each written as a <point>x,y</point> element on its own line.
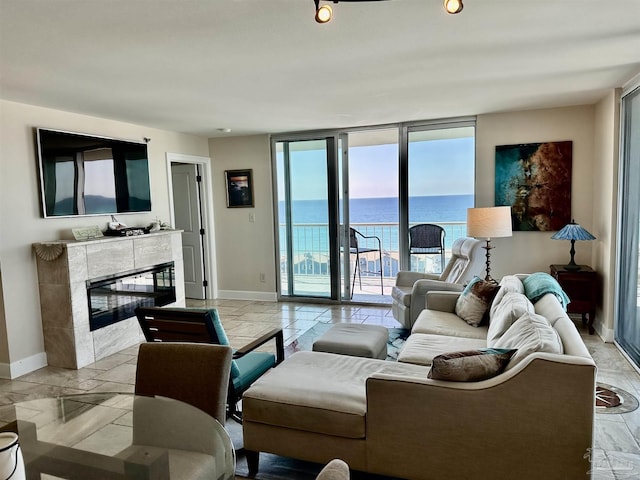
<point>441,182</point>
<point>627,328</point>
<point>304,212</point>
<point>369,183</point>
<point>347,198</point>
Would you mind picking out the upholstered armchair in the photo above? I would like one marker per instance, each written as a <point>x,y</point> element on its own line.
<point>409,293</point>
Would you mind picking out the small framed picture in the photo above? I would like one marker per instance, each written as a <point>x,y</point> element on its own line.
<point>239,188</point>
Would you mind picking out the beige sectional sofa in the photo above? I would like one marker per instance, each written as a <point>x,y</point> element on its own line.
<point>532,421</point>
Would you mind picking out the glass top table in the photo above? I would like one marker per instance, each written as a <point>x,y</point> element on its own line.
<point>118,436</point>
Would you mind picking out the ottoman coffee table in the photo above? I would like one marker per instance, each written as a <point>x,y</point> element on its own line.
<point>356,340</point>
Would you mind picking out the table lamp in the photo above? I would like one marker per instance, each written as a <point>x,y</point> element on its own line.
<point>572,231</point>
<point>488,223</point>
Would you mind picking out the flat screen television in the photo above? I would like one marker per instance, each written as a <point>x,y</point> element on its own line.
<point>89,175</point>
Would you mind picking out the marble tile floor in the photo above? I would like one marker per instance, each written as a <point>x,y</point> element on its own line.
<point>616,452</point>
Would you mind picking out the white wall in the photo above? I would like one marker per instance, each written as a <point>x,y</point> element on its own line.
<point>605,200</point>
<point>245,249</point>
<point>534,251</point>
<point>21,223</point>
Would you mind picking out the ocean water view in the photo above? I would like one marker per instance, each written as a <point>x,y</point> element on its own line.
<point>425,209</point>
<point>372,217</point>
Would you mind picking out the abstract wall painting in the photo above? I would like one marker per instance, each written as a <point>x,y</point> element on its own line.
<point>535,180</point>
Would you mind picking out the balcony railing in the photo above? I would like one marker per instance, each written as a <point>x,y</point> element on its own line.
<point>311,249</point>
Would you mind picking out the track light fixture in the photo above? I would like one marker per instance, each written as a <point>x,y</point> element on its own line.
<point>324,13</point>
<point>453,6</point>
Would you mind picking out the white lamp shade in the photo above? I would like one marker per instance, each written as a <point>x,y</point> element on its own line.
<point>489,222</point>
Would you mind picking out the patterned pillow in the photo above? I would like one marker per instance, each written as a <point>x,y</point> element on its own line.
<point>470,366</point>
<point>475,300</point>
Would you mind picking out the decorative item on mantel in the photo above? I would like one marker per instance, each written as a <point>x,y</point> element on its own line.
<point>572,231</point>
<point>157,225</point>
<point>87,233</point>
<point>48,251</point>
<point>119,229</point>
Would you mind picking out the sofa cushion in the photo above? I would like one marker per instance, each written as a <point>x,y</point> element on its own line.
<point>509,283</point>
<point>421,348</point>
<point>444,323</point>
<point>529,334</point>
<point>550,308</point>
<point>475,300</point>
<point>470,366</point>
<point>510,309</point>
<point>318,392</point>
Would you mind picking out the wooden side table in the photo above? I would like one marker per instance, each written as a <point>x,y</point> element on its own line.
<point>581,287</point>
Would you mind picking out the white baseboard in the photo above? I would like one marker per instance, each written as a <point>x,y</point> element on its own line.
<point>246,295</point>
<point>24,366</point>
<point>606,334</point>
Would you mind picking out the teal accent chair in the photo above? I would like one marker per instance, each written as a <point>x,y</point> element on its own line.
<point>191,325</point>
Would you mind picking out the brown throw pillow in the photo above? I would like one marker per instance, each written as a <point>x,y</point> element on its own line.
<point>470,366</point>
<point>475,300</point>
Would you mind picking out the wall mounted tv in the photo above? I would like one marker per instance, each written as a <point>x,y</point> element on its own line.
<point>88,175</point>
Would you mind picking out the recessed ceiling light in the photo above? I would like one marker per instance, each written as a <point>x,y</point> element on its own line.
<point>224,130</point>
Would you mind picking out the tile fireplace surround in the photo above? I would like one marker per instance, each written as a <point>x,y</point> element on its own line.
<point>64,267</point>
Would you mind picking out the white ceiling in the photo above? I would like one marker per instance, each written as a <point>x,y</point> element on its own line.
<point>258,66</point>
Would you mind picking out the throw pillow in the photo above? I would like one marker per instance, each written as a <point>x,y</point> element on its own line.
<point>530,333</point>
<point>475,300</point>
<point>508,283</point>
<point>470,366</point>
<point>505,313</point>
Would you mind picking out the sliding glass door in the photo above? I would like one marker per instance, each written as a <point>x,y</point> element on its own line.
<point>627,328</point>
<point>306,216</point>
<point>369,207</point>
<point>441,185</point>
<point>346,200</point>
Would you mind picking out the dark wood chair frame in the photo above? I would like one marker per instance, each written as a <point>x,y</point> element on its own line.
<point>196,326</point>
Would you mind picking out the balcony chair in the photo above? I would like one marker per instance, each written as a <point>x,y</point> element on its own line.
<point>427,239</point>
<point>409,293</point>
<point>204,326</point>
<point>358,243</point>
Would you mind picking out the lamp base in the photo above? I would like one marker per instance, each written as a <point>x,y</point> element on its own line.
<point>488,248</point>
<point>572,267</point>
<point>572,263</point>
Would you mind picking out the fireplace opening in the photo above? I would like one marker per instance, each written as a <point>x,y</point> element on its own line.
<point>115,298</point>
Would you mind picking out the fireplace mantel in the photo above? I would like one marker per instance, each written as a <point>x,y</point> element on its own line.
<point>64,267</point>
